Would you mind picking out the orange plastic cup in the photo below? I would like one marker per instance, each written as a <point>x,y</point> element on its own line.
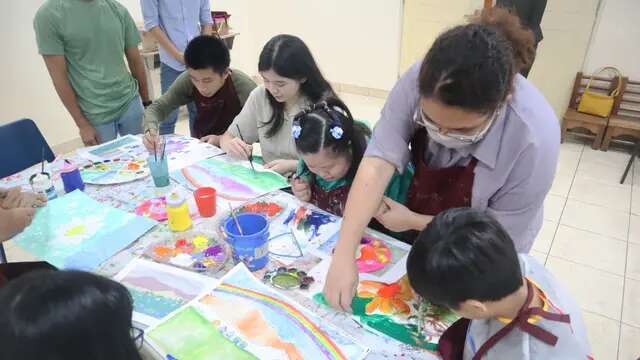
<point>206,201</point>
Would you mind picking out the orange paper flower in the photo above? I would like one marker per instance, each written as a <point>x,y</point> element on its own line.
<point>390,299</point>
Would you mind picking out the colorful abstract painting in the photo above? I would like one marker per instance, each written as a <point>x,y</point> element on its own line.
<point>159,290</point>
<point>233,181</point>
<point>394,310</point>
<point>75,231</point>
<point>265,323</point>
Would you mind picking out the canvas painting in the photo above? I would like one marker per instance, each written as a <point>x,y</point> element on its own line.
<point>234,181</point>
<point>394,310</point>
<point>159,290</point>
<point>264,323</point>
<point>76,232</point>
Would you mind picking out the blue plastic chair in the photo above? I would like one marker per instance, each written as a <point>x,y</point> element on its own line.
<point>22,146</point>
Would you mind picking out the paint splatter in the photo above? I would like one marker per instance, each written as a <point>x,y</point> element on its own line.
<point>374,255</point>
<point>269,209</point>
<point>308,220</point>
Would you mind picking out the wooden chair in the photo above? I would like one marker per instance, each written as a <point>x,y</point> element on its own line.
<point>573,119</point>
<point>625,117</point>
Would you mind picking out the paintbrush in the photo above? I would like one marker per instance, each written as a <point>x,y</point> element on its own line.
<point>155,150</point>
<point>164,148</point>
<point>235,219</point>
<point>42,166</point>
<point>251,155</point>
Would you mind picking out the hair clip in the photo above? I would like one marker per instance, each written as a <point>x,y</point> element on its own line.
<point>296,130</point>
<point>337,132</point>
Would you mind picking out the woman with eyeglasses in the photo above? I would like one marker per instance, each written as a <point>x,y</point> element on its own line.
<point>67,315</point>
<point>480,135</point>
<point>292,82</point>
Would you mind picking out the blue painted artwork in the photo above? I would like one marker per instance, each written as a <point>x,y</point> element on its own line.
<point>77,232</point>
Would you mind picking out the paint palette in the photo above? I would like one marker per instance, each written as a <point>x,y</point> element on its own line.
<point>115,171</point>
<point>288,278</point>
<point>373,255</point>
<point>192,251</point>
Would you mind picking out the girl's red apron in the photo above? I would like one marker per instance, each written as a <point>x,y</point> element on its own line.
<point>332,201</point>
<point>452,342</point>
<point>216,113</point>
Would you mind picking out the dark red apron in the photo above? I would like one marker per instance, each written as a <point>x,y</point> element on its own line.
<point>452,341</point>
<point>435,190</point>
<point>332,201</point>
<point>216,113</point>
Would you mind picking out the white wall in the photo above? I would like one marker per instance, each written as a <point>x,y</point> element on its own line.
<point>616,40</point>
<point>355,42</point>
<point>25,87</point>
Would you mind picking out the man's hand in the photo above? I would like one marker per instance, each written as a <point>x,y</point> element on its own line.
<point>89,135</point>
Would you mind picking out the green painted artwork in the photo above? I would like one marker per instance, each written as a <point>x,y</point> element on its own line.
<point>189,335</point>
<point>395,311</point>
<point>232,180</point>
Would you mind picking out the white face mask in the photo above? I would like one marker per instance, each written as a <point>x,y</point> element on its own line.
<point>454,141</point>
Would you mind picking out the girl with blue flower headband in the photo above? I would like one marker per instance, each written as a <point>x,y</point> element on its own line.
<point>330,145</point>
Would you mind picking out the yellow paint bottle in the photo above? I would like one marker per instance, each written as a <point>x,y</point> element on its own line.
<point>178,212</point>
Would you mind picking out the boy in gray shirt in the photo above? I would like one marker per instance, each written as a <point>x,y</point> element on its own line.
<point>512,307</point>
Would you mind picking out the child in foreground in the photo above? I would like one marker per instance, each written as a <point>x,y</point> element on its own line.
<point>67,315</point>
<point>512,307</point>
<point>331,145</point>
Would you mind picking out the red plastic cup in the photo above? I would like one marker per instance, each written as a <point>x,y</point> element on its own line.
<point>206,201</point>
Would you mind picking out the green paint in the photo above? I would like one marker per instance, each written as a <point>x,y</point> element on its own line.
<point>264,180</point>
<point>286,281</point>
<point>188,335</point>
<point>405,333</point>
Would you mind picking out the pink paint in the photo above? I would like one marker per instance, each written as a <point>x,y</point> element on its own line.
<point>153,208</point>
<point>374,255</point>
<point>228,188</point>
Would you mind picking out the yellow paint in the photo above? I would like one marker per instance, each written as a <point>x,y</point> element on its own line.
<point>200,242</point>
<point>179,217</point>
<point>76,230</point>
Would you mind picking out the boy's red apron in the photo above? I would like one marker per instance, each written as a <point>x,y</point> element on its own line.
<point>452,341</point>
<point>435,190</point>
<point>332,201</point>
<point>216,113</point>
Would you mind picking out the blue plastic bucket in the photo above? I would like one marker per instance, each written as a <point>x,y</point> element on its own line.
<point>252,248</point>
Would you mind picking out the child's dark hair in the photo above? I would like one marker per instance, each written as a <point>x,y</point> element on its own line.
<point>473,66</point>
<point>288,56</point>
<point>66,315</point>
<point>463,254</point>
<point>207,52</point>
<point>330,125</point>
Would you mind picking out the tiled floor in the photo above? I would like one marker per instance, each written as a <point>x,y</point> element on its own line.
<point>590,238</point>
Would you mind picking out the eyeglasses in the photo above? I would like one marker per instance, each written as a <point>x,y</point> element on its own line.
<point>423,120</point>
<point>137,335</point>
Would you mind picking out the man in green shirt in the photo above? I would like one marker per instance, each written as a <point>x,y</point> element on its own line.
<point>218,92</point>
<point>84,43</point>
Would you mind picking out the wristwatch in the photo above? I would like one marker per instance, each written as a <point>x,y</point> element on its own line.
<point>147,103</point>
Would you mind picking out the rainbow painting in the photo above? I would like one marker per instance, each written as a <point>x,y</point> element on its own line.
<point>266,323</point>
